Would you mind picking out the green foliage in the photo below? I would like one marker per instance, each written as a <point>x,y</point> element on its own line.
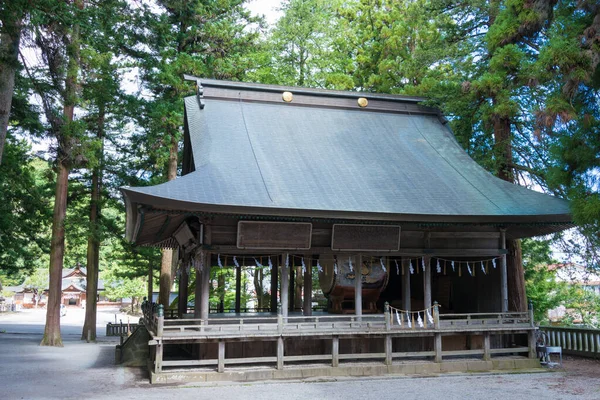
<point>24,209</point>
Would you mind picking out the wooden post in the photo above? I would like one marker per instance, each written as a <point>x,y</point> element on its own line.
<point>205,273</point>
<point>183,293</point>
<point>387,315</point>
<point>150,283</point>
<point>292,285</point>
<point>335,351</point>
<point>159,357</point>
<point>221,365</point>
<point>388,350</point>
<point>437,344</point>
<point>436,315</point>
<point>487,356</point>
<point>238,289</point>
<point>358,287</point>
<point>406,284</point>
<point>427,283</point>
<point>308,286</point>
<point>198,291</point>
<point>274,286</point>
<point>285,288</point>
<point>503,273</point>
<point>279,352</point>
<point>532,343</point>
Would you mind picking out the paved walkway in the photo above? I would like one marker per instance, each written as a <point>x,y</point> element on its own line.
<point>86,371</point>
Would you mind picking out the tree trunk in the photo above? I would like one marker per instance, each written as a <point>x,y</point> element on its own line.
<point>57,250</point>
<point>93,248</point>
<point>167,265</point>
<point>10,35</point>
<point>64,152</point>
<point>517,300</point>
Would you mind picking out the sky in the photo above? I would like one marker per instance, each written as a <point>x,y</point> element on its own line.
<point>266,8</point>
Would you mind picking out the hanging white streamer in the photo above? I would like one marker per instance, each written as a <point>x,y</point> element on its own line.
<point>270,263</point>
<point>398,317</point>
<point>452,263</point>
<point>429,317</point>
<point>408,320</point>
<point>258,264</point>
<point>410,268</point>
<point>335,267</point>
<point>382,265</point>
<point>235,261</point>
<point>494,262</point>
<point>469,269</point>
<point>319,268</point>
<point>350,263</point>
<point>423,263</point>
<point>397,267</point>
<point>482,268</point>
<point>287,260</point>
<point>219,261</point>
<point>419,320</point>
<point>438,267</point>
<point>303,266</point>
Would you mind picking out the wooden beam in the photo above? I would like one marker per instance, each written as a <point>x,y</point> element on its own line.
<point>335,351</point>
<point>205,292</point>
<point>221,364</point>
<point>280,350</point>
<point>403,252</point>
<point>198,290</point>
<point>238,288</point>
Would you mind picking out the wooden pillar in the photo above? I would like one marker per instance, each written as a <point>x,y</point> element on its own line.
<point>292,285</point>
<point>205,274</point>
<point>427,282</point>
<point>307,286</point>
<point>274,285</point>
<point>532,343</point>
<point>388,350</point>
<point>221,362</point>
<point>503,273</point>
<point>280,354</point>
<point>183,292</point>
<point>358,286</point>
<point>406,284</point>
<point>437,345</point>
<point>335,351</point>
<point>285,287</point>
<point>198,290</point>
<point>487,356</point>
<point>150,283</point>
<point>238,289</point>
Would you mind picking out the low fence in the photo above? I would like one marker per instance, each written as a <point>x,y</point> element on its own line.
<point>576,341</point>
<point>383,328</point>
<point>120,329</point>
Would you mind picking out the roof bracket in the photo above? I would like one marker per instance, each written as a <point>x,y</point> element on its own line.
<point>200,94</point>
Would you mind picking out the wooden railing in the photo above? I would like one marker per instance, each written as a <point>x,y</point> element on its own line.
<point>119,329</point>
<point>576,341</point>
<point>331,327</point>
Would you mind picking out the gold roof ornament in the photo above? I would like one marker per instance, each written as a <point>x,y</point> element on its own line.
<point>363,102</point>
<point>287,97</point>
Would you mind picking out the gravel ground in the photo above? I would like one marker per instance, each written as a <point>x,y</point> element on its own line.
<point>86,370</point>
<point>82,370</point>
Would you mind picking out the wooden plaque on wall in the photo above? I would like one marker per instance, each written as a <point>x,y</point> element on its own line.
<point>365,237</point>
<point>274,235</point>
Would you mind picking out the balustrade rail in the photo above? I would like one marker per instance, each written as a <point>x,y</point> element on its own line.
<point>576,341</point>
<point>334,328</point>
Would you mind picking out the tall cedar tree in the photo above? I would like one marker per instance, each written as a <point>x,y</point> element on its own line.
<point>207,39</point>
<point>55,34</point>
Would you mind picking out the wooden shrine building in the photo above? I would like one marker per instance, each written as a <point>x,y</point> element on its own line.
<point>340,183</point>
